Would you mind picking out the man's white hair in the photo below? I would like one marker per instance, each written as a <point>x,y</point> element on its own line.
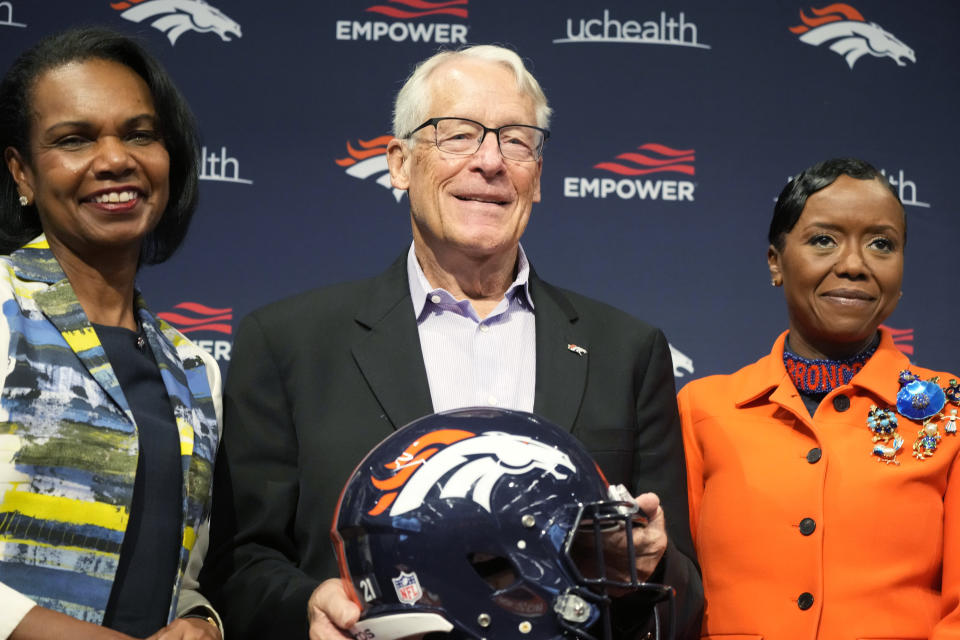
<point>410,108</point>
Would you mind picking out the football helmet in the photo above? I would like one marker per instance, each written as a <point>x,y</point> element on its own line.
<point>463,522</point>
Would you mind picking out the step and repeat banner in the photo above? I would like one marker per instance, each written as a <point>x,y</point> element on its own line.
<point>676,123</point>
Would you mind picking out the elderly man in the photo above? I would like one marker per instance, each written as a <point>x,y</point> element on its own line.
<point>459,320</point>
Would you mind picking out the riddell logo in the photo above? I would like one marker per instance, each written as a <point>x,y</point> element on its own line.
<point>902,339</point>
<point>850,35</point>
<point>400,31</point>
<point>652,158</point>
<point>191,317</point>
<point>176,17</point>
<point>370,161</point>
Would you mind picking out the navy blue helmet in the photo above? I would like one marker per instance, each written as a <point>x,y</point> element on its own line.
<point>463,523</point>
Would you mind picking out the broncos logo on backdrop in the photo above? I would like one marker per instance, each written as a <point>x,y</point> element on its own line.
<point>681,362</point>
<point>850,35</point>
<point>461,464</point>
<point>370,161</point>
<point>176,17</point>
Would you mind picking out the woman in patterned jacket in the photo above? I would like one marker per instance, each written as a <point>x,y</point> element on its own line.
<point>108,416</point>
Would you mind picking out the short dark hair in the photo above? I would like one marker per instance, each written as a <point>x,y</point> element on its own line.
<point>178,130</point>
<point>794,196</point>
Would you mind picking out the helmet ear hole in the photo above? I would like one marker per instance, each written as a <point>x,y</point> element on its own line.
<point>496,571</point>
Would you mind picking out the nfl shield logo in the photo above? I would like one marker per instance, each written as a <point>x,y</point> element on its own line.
<point>407,587</point>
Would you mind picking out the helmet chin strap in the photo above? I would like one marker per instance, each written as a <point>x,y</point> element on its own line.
<point>400,625</point>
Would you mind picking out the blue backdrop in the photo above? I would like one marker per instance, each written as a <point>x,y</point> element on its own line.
<point>676,124</point>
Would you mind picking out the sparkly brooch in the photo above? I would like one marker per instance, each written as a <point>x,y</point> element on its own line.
<point>952,391</point>
<point>921,401</point>
<point>883,424</point>
<point>950,425</point>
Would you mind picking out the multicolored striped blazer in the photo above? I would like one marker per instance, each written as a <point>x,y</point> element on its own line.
<point>68,441</point>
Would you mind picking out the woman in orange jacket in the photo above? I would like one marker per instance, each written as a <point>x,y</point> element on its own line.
<point>824,478</point>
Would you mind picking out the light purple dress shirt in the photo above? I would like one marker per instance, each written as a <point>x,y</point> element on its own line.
<point>473,362</point>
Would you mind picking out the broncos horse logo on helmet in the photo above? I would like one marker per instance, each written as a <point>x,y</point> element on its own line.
<point>176,17</point>
<point>850,35</point>
<point>469,466</point>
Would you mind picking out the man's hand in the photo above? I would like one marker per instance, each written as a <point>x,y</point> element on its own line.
<point>188,629</point>
<point>649,542</point>
<point>331,612</point>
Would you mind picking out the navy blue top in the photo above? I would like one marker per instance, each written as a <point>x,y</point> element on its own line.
<point>146,572</point>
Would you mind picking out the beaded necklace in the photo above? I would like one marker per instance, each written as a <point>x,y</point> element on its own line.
<point>819,377</point>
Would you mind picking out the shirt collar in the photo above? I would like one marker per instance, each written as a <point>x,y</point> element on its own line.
<point>420,288</point>
<point>878,376</point>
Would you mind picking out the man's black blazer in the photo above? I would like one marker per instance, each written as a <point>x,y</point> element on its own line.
<point>317,380</point>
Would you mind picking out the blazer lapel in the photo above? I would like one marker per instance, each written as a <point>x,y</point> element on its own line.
<point>59,303</point>
<point>389,356</point>
<point>174,380</point>
<point>562,355</point>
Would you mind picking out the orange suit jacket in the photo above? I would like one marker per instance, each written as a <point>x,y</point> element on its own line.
<point>801,532</point>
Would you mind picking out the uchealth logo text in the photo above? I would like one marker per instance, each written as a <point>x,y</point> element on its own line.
<point>216,165</point>
<point>6,15</point>
<point>369,162</point>
<point>847,33</point>
<point>906,188</point>
<point>649,159</point>
<point>412,21</point>
<point>176,17</point>
<point>198,321</point>
<point>663,29</point>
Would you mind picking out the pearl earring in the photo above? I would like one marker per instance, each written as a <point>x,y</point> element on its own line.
<point>24,201</point>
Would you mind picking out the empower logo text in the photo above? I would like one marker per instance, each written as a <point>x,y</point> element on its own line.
<point>402,31</point>
<point>650,158</point>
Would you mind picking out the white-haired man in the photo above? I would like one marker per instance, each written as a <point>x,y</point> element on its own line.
<point>459,320</point>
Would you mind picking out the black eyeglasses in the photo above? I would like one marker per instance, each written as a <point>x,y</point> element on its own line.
<point>463,137</point>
